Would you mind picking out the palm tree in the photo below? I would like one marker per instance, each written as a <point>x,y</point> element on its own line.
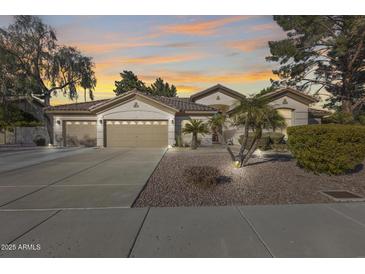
<point>195,127</point>
<point>216,124</point>
<point>256,115</point>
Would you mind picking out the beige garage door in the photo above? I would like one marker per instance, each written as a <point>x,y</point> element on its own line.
<point>80,133</point>
<point>136,133</point>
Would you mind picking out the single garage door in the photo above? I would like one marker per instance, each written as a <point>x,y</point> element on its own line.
<point>136,133</point>
<point>80,133</point>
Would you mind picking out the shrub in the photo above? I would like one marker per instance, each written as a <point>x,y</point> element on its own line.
<point>331,149</point>
<point>39,140</point>
<point>338,118</point>
<point>267,141</point>
<point>361,119</point>
<point>205,176</point>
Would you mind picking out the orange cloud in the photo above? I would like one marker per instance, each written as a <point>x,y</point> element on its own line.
<point>248,45</point>
<point>202,27</point>
<point>108,47</point>
<point>146,60</point>
<point>267,26</point>
<point>187,88</point>
<point>180,78</point>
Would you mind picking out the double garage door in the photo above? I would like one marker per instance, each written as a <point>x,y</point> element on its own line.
<point>118,133</point>
<point>141,133</point>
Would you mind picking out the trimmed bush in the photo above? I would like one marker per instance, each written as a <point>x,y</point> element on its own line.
<point>267,141</point>
<point>39,140</point>
<point>331,149</point>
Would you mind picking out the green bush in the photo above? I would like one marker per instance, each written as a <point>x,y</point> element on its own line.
<point>267,141</point>
<point>39,140</point>
<point>339,118</point>
<point>331,149</point>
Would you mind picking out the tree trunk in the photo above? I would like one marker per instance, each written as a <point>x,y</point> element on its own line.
<point>85,94</point>
<point>49,126</point>
<point>346,106</point>
<point>250,151</point>
<point>194,141</point>
<point>244,142</point>
<point>233,157</point>
<point>47,99</point>
<point>47,119</point>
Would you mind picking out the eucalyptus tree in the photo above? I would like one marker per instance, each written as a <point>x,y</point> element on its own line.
<point>40,66</point>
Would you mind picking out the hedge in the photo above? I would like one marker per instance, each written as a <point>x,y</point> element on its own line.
<point>267,140</point>
<point>332,149</point>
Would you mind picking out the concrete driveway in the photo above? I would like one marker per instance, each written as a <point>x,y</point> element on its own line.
<point>81,178</point>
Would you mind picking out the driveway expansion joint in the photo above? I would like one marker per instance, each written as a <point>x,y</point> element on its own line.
<point>345,215</point>
<point>138,232</point>
<point>256,232</point>
<point>35,226</point>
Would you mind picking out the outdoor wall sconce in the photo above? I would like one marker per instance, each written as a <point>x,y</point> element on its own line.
<point>100,122</point>
<point>58,122</point>
<point>172,121</point>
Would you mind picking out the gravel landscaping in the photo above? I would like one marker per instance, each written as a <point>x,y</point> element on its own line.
<point>269,179</point>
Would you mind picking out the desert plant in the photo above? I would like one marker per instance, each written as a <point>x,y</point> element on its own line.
<point>267,140</point>
<point>195,127</point>
<point>331,149</point>
<point>39,140</point>
<point>256,115</point>
<point>202,176</point>
<point>216,124</point>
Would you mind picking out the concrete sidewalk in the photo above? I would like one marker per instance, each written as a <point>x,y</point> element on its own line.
<point>321,230</point>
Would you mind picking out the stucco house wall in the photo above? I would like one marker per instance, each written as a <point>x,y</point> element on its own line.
<point>217,98</point>
<point>300,110</point>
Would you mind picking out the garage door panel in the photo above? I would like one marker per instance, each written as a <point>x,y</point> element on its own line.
<point>136,133</point>
<point>80,133</point>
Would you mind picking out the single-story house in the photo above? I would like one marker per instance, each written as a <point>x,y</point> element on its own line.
<point>136,119</point>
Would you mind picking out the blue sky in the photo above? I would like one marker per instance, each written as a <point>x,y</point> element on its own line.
<point>191,52</point>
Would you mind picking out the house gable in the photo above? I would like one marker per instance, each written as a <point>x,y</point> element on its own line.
<point>217,95</point>
<point>125,98</point>
<point>135,108</point>
<point>217,90</point>
<point>290,93</point>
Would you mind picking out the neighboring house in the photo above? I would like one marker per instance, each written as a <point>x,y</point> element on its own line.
<point>26,135</point>
<point>137,119</point>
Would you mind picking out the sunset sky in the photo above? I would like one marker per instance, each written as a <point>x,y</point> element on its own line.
<point>191,52</point>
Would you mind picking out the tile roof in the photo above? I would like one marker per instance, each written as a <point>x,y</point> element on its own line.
<point>77,106</point>
<point>294,91</point>
<point>182,104</point>
<point>212,89</point>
